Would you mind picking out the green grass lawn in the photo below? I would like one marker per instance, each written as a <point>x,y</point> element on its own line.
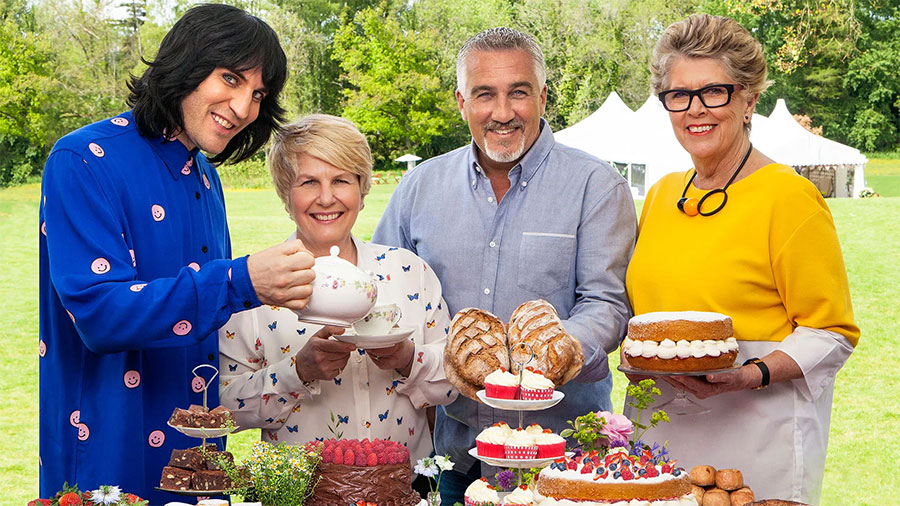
<point>865,418</point>
<point>883,175</point>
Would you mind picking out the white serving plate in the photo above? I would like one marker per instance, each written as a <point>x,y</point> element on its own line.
<point>520,405</point>
<point>202,431</point>
<point>516,463</point>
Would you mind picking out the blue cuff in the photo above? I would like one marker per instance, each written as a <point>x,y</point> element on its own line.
<point>241,295</point>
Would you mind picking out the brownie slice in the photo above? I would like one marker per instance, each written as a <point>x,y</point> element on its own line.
<point>188,459</point>
<point>174,478</point>
<point>221,415</point>
<point>211,480</point>
<point>214,457</point>
<point>181,418</point>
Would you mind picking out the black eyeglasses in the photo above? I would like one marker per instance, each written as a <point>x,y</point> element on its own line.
<point>712,96</point>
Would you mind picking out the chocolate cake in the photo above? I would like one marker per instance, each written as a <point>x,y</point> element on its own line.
<point>174,478</point>
<point>188,459</point>
<point>197,416</point>
<point>372,471</point>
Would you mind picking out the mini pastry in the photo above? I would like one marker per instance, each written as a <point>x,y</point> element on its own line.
<point>535,386</point>
<point>698,492</point>
<point>491,441</point>
<point>549,445</point>
<point>729,479</point>
<point>534,429</point>
<point>716,497</point>
<point>741,497</point>
<point>521,496</point>
<point>704,476</point>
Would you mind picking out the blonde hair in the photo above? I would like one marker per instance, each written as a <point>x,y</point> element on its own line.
<point>331,139</point>
<point>717,37</point>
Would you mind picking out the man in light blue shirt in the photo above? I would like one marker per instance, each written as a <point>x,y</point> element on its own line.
<point>513,217</point>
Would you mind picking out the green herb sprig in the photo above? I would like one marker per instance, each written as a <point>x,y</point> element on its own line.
<point>642,397</point>
<point>586,430</point>
<point>333,427</point>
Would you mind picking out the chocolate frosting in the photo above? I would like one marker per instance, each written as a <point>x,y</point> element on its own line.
<point>341,485</point>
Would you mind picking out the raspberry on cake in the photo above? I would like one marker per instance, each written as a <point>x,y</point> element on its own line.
<point>680,341</point>
<point>481,493</point>
<point>351,470</point>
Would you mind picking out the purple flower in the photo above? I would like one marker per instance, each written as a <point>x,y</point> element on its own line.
<point>577,452</point>
<point>618,428</point>
<point>506,480</point>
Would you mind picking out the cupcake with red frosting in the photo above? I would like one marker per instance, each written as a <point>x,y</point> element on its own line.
<point>491,442</point>
<point>501,384</point>
<point>520,445</point>
<point>535,386</point>
<point>550,445</point>
<point>481,493</point>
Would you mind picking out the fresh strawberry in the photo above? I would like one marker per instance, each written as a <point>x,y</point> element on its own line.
<point>70,499</point>
<point>571,465</point>
<point>587,469</point>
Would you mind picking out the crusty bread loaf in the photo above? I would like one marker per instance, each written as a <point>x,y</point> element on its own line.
<point>557,354</point>
<point>467,389</point>
<point>476,345</point>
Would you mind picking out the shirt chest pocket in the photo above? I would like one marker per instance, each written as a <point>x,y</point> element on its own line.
<point>545,262</point>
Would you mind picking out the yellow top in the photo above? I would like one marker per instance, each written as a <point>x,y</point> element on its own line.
<point>770,258</point>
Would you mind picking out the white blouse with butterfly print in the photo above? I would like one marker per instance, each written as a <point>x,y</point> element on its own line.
<point>259,381</point>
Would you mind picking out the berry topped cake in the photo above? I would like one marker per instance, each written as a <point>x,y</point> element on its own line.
<point>351,470</point>
<point>680,341</point>
<point>617,476</point>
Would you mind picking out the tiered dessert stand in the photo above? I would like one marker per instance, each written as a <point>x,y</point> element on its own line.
<point>521,406</point>
<point>202,433</point>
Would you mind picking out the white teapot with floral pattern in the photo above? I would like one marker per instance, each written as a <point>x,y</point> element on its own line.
<point>342,292</point>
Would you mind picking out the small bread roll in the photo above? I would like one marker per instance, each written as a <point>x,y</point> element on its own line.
<point>703,476</point>
<point>698,493</point>
<point>729,479</point>
<point>741,497</point>
<point>716,497</point>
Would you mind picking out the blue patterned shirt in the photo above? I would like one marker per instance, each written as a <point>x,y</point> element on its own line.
<point>135,280</point>
<point>563,232</point>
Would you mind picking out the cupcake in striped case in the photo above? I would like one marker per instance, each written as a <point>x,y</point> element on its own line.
<point>535,386</point>
<point>520,445</point>
<point>501,384</point>
<point>481,493</point>
<point>491,441</point>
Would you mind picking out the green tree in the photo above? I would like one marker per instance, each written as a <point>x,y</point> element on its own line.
<point>394,94</point>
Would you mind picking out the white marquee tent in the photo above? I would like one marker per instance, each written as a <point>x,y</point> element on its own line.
<point>644,148</point>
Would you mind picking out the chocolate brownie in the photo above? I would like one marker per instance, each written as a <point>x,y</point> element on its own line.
<point>181,418</point>
<point>214,457</point>
<point>188,459</point>
<point>174,478</point>
<point>211,480</point>
<point>221,415</point>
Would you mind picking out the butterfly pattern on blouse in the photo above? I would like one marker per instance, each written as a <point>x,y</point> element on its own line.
<point>292,428</point>
<point>229,335</point>
<point>273,325</point>
<point>414,296</point>
<point>343,419</point>
<point>286,349</point>
<point>406,267</point>
<point>384,416</point>
<point>301,331</point>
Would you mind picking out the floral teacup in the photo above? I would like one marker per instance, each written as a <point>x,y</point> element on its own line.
<point>379,321</point>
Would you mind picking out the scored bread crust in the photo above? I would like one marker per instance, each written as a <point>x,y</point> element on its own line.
<point>477,345</point>
<point>688,364</point>
<point>467,389</point>
<point>681,330</point>
<point>557,354</point>
<point>581,490</point>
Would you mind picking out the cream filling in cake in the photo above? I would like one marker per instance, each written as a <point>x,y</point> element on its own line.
<point>668,349</point>
<point>577,475</point>
<point>687,500</point>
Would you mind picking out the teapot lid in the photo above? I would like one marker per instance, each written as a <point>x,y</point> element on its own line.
<point>333,259</point>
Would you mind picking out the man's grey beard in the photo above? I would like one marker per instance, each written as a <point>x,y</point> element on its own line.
<point>504,156</point>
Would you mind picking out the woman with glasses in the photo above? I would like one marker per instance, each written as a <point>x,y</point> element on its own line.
<point>747,237</point>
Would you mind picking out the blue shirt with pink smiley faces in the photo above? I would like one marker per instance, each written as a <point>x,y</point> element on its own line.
<point>135,280</point>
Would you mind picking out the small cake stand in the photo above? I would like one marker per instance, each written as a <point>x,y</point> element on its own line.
<point>202,433</point>
<point>521,406</point>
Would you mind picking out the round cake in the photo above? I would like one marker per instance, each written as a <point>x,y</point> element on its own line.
<point>680,341</point>
<point>615,477</point>
<point>377,471</point>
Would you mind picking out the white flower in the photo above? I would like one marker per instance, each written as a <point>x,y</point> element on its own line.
<point>443,462</point>
<point>106,494</point>
<point>426,467</point>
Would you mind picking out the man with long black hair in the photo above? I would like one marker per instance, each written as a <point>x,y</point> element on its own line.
<point>136,272</point>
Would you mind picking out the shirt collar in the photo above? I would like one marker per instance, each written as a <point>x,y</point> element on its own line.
<point>174,155</point>
<point>529,163</point>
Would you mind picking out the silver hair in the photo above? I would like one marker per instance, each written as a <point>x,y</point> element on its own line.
<point>500,39</point>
